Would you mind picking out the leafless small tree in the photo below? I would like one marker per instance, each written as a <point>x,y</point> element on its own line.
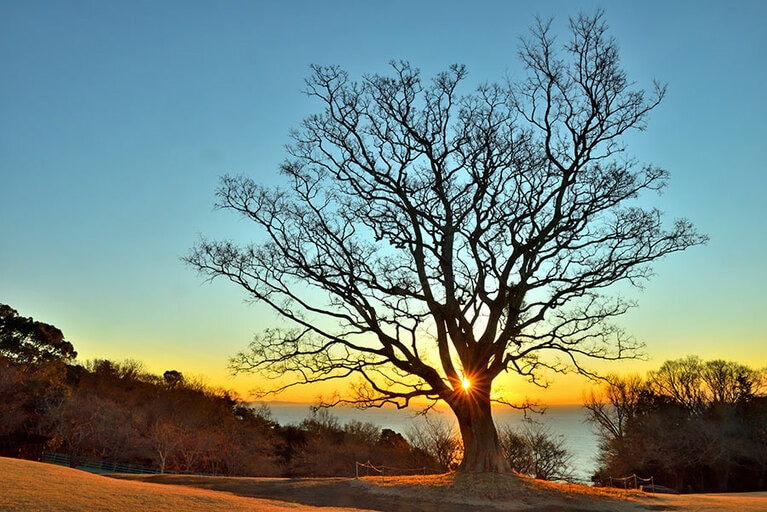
<point>612,409</point>
<point>536,451</point>
<point>438,438</point>
<point>165,438</point>
<point>430,239</point>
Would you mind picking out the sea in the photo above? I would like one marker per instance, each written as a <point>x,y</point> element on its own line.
<point>567,422</point>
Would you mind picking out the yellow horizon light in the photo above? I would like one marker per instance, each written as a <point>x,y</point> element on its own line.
<point>466,384</point>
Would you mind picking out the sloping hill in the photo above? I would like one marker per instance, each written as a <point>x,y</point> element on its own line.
<point>35,487</point>
<point>32,486</point>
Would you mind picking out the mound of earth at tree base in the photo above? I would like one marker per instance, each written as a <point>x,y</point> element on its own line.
<point>443,493</point>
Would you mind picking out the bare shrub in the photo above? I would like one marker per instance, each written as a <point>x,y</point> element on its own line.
<point>438,438</point>
<point>536,451</point>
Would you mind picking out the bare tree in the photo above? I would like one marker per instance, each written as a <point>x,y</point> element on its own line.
<point>429,240</point>
<point>612,410</point>
<point>439,439</point>
<point>728,382</point>
<point>165,438</point>
<point>682,381</point>
<point>70,421</point>
<point>536,451</point>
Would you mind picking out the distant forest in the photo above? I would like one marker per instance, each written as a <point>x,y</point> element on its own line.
<point>116,411</point>
<point>693,425</point>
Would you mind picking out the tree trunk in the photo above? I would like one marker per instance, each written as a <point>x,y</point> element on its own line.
<point>482,449</point>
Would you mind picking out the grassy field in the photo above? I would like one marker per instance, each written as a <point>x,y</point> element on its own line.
<point>29,486</point>
<point>36,487</point>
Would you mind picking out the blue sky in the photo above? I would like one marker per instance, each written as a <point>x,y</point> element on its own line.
<point>117,119</point>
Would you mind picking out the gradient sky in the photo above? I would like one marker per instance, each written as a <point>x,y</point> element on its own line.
<point>117,119</point>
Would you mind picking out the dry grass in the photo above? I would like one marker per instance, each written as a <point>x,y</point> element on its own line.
<point>28,486</point>
<point>504,492</point>
<point>35,487</point>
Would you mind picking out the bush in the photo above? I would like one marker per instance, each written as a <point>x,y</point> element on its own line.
<point>439,439</point>
<point>535,451</point>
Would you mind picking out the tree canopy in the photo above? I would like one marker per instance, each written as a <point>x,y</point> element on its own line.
<point>29,342</point>
<point>429,237</point>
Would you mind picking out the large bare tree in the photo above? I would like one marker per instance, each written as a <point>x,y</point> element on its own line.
<point>428,239</point>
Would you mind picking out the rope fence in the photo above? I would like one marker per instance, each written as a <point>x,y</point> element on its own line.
<point>365,469</point>
<point>633,482</point>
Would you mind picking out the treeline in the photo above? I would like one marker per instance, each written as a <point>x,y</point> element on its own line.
<point>693,426</point>
<point>114,411</point>
<point>118,412</point>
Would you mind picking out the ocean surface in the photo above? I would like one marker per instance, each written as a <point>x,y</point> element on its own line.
<point>567,421</point>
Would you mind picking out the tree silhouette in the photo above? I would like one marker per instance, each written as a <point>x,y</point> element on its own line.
<point>29,343</point>
<point>696,426</point>
<point>429,240</point>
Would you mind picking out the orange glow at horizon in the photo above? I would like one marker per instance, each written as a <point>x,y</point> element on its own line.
<point>558,389</point>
